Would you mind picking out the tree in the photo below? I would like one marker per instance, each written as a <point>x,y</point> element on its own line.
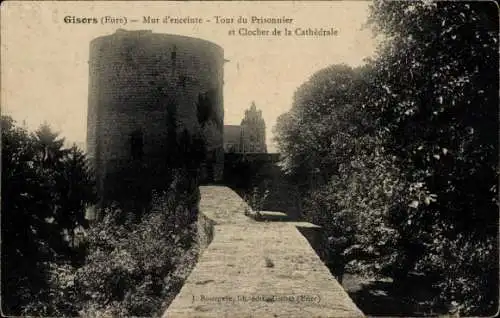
<point>44,189</point>
<point>331,137</point>
<point>28,238</point>
<point>407,151</point>
<point>77,190</point>
<point>49,149</point>
<point>441,106</point>
<point>312,136</point>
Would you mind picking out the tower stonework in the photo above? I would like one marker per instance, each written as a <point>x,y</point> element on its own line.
<point>145,88</point>
<point>253,131</point>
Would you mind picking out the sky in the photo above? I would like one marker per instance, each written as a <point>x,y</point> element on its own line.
<point>44,60</point>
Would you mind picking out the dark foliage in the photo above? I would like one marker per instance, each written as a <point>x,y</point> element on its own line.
<point>127,264</point>
<point>137,268</point>
<point>400,157</point>
<point>45,189</point>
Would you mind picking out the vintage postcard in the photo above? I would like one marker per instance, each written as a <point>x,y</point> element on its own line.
<point>249,159</point>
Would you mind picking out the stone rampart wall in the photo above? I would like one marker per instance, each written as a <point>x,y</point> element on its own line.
<point>256,269</point>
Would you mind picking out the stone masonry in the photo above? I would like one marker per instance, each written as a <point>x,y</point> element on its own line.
<point>143,88</point>
<point>256,269</point>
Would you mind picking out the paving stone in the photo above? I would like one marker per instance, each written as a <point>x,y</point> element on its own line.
<point>257,269</point>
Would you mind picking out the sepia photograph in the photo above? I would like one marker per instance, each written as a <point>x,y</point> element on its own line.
<point>249,159</point>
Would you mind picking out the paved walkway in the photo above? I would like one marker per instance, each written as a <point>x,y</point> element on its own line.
<point>257,269</point>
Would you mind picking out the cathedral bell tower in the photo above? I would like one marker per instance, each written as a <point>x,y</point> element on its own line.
<point>253,131</point>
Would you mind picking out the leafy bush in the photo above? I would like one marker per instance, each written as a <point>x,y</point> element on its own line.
<point>58,298</point>
<point>256,200</point>
<point>137,269</point>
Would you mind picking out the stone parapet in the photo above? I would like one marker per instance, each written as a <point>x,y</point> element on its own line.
<point>256,269</point>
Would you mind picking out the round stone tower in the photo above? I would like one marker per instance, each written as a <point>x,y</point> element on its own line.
<point>145,90</point>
